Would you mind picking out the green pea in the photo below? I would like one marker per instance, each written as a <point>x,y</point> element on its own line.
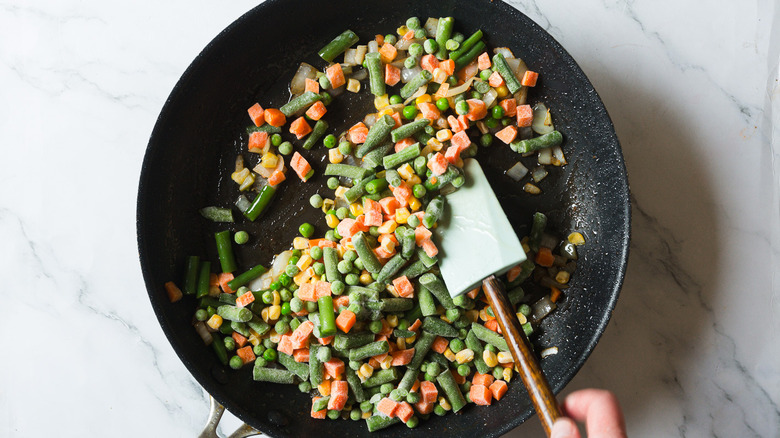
<point>453,314</point>
<point>411,62</point>
<point>352,279</point>
<point>456,345</point>
<point>345,148</point>
<point>374,231</point>
<point>294,259</point>
<point>324,82</point>
<point>258,349</point>
<point>459,37</point>
<point>430,45</point>
<point>434,368</point>
<point>311,306</point>
<point>285,294</point>
<point>486,140</point>
<point>412,422</point>
<point>282,327</point>
<point>329,141</point>
<point>498,372</point>
<point>342,213</point>
<point>267,343</point>
<point>306,229</point>
<point>419,191</point>
<point>355,415</point>
<point>202,314</point>
<point>420,33</point>
<point>491,348</point>
<point>337,287</point>
<point>485,74</point>
<point>286,308</point>
<point>416,50</point>
<point>358,264</point>
<point>296,253</point>
<point>430,377</point>
<point>386,388</point>
<point>452,80</point>
<point>330,235</point>
<point>413,397</point>
<point>315,253</point>
<point>304,387</point>
<point>268,296</point>
<point>350,255</point>
<point>491,123</point>
<point>497,112</point>
<point>462,107</point>
<point>344,267</point>
<point>285,148</point>
<point>269,354</point>
<point>333,183</point>
<point>333,414</point>
<point>230,344</point>
<point>316,200</point>
<point>296,304</point>
<point>391,38</point>
<point>375,327</point>
<point>319,268</point>
<point>466,386</point>
<point>451,45</point>
<point>325,98</point>
<point>410,112</point>
<point>438,410</point>
<point>506,121</point>
<point>294,324</point>
<point>430,130</point>
<point>413,23</point>
<point>443,104</point>
<point>476,95</point>
<point>276,140</point>
<point>236,362</point>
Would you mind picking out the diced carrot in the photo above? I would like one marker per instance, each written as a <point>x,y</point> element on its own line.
<point>301,355</point>
<point>428,392</point>
<point>341,300</point>
<point>346,320</point>
<point>380,39</point>
<point>463,121</point>
<point>392,74</point>
<point>285,345</point>
<point>388,52</point>
<point>498,389</point>
<point>374,363</point>
<point>402,357</point>
<point>555,294</point>
<point>312,85</point>
<point>403,287</point>
<point>174,293</point>
<point>320,415</point>
<point>461,140</point>
<point>307,293</point>
<point>492,324</point>
<point>386,329</point>
<point>322,289</point>
<point>387,407</point>
<point>384,253</point>
<point>213,281</point>
<point>458,378</point>
<point>483,61</point>
<point>529,78</point>
<point>316,111</point>
<point>429,62</point>
<point>245,300</point>
<point>357,133</point>
<point>276,178</point>
<point>397,117</point>
<point>240,339</point>
<point>415,385</point>
<point>468,71</point>
<point>404,411</point>
<point>453,153</point>
<point>300,337</point>
<point>495,80</point>
<point>347,227</point>
<point>481,395</point>
<point>274,117</point>
<point>389,205</point>
<point>405,143</point>
<point>373,213</point>
<point>402,193</point>
<point>300,128</point>
<point>300,166</point>
<point>421,233</point>
<point>438,164</point>
<point>415,325</point>
<point>477,110</point>
<point>544,257</point>
<point>256,113</point>
<point>482,379</point>
<point>325,341</point>
<point>440,344</point>
<point>335,75</point>
<point>448,67</point>
<point>513,273</point>
<point>258,141</point>
<point>454,125</point>
<point>424,407</point>
<point>429,110</point>
<point>339,391</point>
<point>360,223</point>
<point>525,116</point>
<point>430,248</point>
<point>409,35</point>
<point>334,367</point>
<point>509,106</point>
<point>326,243</point>
<point>223,278</point>
<point>507,135</point>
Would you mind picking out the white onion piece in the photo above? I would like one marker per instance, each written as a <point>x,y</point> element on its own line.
<point>459,89</point>
<point>359,75</point>
<point>542,308</point>
<point>517,172</point>
<point>403,44</point>
<point>504,51</point>
<point>298,83</point>
<point>521,68</point>
<point>373,46</point>
<point>513,63</point>
<point>548,352</point>
<point>399,62</point>
<point>558,154</point>
<point>545,156</point>
<point>539,174</point>
<point>490,97</point>
<point>408,73</point>
<point>280,263</point>
<point>369,119</point>
<point>420,91</point>
<point>203,332</point>
<point>542,123</point>
<point>431,26</point>
<point>349,57</point>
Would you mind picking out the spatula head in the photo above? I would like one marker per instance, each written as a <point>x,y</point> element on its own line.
<point>475,238</point>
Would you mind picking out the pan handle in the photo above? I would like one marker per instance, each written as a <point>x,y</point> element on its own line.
<point>530,372</point>
<point>215,414</point>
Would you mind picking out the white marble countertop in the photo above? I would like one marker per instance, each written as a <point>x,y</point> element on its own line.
<point>692,348</point>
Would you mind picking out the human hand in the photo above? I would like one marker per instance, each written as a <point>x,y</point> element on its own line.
<point>597,408</point>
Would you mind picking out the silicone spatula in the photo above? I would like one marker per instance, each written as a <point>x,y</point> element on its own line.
<point>477,243</point>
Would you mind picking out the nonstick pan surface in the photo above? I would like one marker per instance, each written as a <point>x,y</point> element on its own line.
<point>202,128</point>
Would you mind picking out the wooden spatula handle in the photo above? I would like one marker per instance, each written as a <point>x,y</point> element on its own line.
<point>529,369</point>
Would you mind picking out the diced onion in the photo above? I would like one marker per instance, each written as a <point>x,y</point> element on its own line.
<point>490,97</point>
<point>542,308</point>
<point>403,44</point>
<point>545,156</point>
<point>203,332</point>
<point>431,26</point>
<point>504,51</point>
<point>517,172</point>
<point>558,154</point>
<point>542,123</point>
<point>298,83</point>
<point>539,173</point>
<point>408,73</point>
<point>548,352</point>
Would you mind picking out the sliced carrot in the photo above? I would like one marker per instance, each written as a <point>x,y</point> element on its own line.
<point>525,116</point>
<point>529,78</point>
<point>429,110</point>
<point>322,289</point>
<point>357,133</point>
<point>174,293</point>
<point>274,117</point>
<point>301,355</point>
<point>404,411</point>
<point>498,389</point>
<point>429,62</point>
<point>388,52</point>
<point>300,337</point>
<point>440,344</point>
<point>334,367</point>
<point>509,106</point>
<point>387,407</point>
<point>482,379</point>
<point>430,248</point>
<point>477,110</point>
<point>245,300</point>
<point>483,61</point>
<point>373,213</point>
<point>405,143</point>
<point>335,75</point>
<point>346,320</point>
<point>448,67</point>
<point>258,142</point>
<point>481,395</point>
<point>555,294</point>
<point>339,391</point>
<point>276,178</point>
<point>256,113</point>
<point>300,165</point>
<point>403,287</point>
<point>544,257</point>
<point>312,85</point>
<point>316,111</point>
<point>392,74</point>
<point>438,164</point>
<point>428,392</point>
<point>507,135</point>
<point>320,415</point>
<point>389,205</point>
<point>402,357</point>
<point>300,128</point>
<point>307,293</point>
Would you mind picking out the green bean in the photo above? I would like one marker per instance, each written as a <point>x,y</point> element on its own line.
<point>263,128</point>
<point>381,377</point>
<point>395,305</point>
<point>260,203</point>
<point>204,277</point>
<point>534,144</point>
<point>407,154</point>
<point>339,45</point>
<point>489,336</point>
<point>414,270</point>
<point>467,45</point>
<point>374,158</point>
<point>376,135</point>
<point>473,344</point>
<point>217,214</point>
<point>207,301</point>
<point>376,75</point>
<point>393,177</point>
<point>416,82</point>
<point>378,422</point>
<point>515,295</point>
<point>427,260</point>
<point>315,365</point>
<point>368,350</point>
<point>274,375</point>
<point>407,381</point>
<point>427,305</point>
<point>408,243</point>
<point>300,103</point>
<point>327,317</point>
<point>354,385</point>
<point>438,289</point>
<point>376,186</point>
<point>439,359</point>
<point>421,348</point>
<point>227,299</point>
<point>408,130</point>
<point>233,313</point>
<point>433,211</point>
<point>246,277</point>
<point>367,256</point>
<point>422,137</point>
<point>400,333</point>
<point>316,134</point>
<point>344,342</point>
<point>258,325</point>
<point>438,327</point>
<point>451,389</point>
<point>191,275</point>
<point>347,171</point>
<point>240,327</point>
<point>357,190</point>
<point>301,369</point>
<point>219,348</point>
<point>500,65</point>
<point>443,33</point>
<point>470,55</point>
<point>330,258</point>
<point>361,293</point>
<point>390,268</point>
<point>537,231</point>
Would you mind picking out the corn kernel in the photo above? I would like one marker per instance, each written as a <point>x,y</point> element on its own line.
<point>526,248</point>
<point>269,160</point>
<point>562,277</point>
<point>332,220</point>
<point>401,215</point>
<point>401,343</point>
<point>423,99</point>
<point>418,116</point>
<point>445,319</point>
<point>507,374</point>
<point>504,357</point>
<point>521,318</point>
<point>365,278</point>
<point>304,262</point>
<point>401,31</point>
<point>355,209</point>
<point>502,91</point>
<point>414,203</point>
<point>387,245</point>
<point>435,144</point>
<point>366,370</point>
<point>304,276</point>
<point>215,321</point>
<point>274,312</point>
<point>335,156</point>
<point>264,314</point>
<point>386,363</point>
<point>300,243</point>
<point>411,339</point>
<point>532,189</point>
<point>385,112</point>
<point>353,85</point>
<point>415,179</point>
<point>464,356</point>
<point>449,354</point>
<point>240,176</point>
<point>381,101</point>
<point>327,204</point>
<point>340,191</point>
<point>387,227</point>
<point>254,340</point>
<point>366,415</point>
<point>392,321</point>
<point>249,181</point>
<point>576,238</point>
<point>274,337</point>
<point>490,358</point>
<point>472,315</point>
<point>406,171</point>
<point>483,314</point>
<point>324,388</point>
<point>443,135</point>
<point>277,298</point>
<point>444,404</point>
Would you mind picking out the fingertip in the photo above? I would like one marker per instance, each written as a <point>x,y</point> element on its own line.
<point>564,428</point>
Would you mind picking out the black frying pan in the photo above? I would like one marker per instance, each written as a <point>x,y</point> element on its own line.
<point>200,131</point>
